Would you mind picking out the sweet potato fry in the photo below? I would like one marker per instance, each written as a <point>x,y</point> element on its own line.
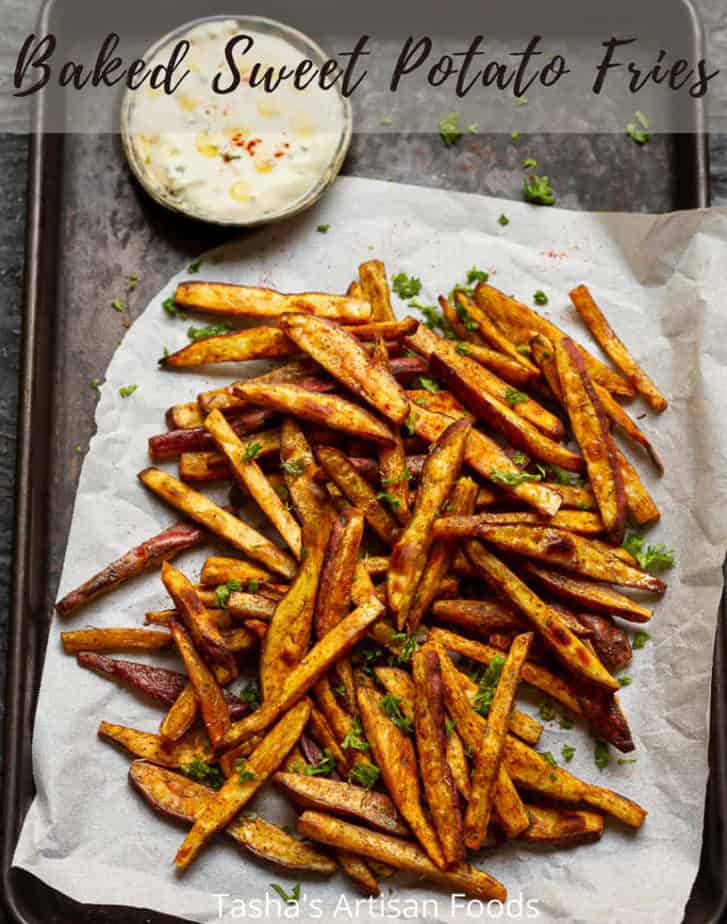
<point>315,792</point>
<point>179,797</point>
<point>489,754</point>
<point>566,646</point>
<point>428,344</point>
<point>251,606</point>
<point>593,435</point>
<point>562,827</point>
<point>625,810</point>
<point>610,641</point>
<point>359,871</point>
<point>617,352</point>
<point>113,639</point>
<point>358,491</point>
<point>203,467</point>
<point>158,683</point>
<point>394,754</point>
<point>391,471</point>
<point>241,459</point>
<point>193,613</point>
<point>180,717</point>
<point>477,617</point>
<point>531,771</point>
<point>431,743</point>
<point>184,416</point>
<point>587,593</point>
<point>520,323</point>
<point>334,593</point>
<point>344,358</point>
<point>462,501</point>
<point>620,418</point>
<point>219,570</point>
<point>226,300</point>
<point>329,410</point>
<point>209,696</point>
<point>242,786</point>
<point>503,367</point>
<point>340,719</point>
<point>463,527</point>
<point>321,731</point>
<point>241,345</point>
<point>146,555</point>
<point>193,746</point>
<point>218,521</point>
<point>641,506</point>
<point>571,552</point>
<point>334,645</point>
<point>375,287</point>
<point>409,554</point>
<point>490,332</point>
<point>166,447</point>
<point>457,760</point>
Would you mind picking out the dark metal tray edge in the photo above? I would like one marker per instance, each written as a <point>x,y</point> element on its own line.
<point>27,613</point>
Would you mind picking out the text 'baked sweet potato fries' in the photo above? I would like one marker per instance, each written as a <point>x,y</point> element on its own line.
<point>447,507</point>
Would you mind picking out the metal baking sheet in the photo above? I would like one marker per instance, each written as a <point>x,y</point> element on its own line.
<point>89,228</point>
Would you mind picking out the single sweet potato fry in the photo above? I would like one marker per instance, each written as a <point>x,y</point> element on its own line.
<point>641,506</point>
<point>113,639</point>
<point>251,606</point>
<point>505,368</point>
<point>562,827</point>
<point>620,418</point>
<point>218,521</point>
<point>334,593</point>
<point>219,570</point>
<point>241,345</point>
<point>625,810</point>
<point>454,527</point>
<point>166,447</point>
<point>192,746</point>
<point>490,332</point>
<point>301,472</point>
<point>185,416</point>
<point>180,717</point>
<point>203,467</point>
<point>146,555</point>
<point>477,617</point>
<point>391,471</point>
<point>375,289</point>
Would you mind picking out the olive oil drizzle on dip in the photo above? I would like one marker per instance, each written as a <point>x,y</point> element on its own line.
<point>242,156</point>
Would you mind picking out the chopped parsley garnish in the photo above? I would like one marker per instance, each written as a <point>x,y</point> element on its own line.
<point>625,681</point>
<point>463,349</point>
<point>638,130</point>
<point>252,451</point>
<point>364,774</point>
<point>194,267</point>
<point>428,384</point>
<point>519,458</point>
<point>354,737</point>
<point>512,479</point>
<point>567,751</point>
<point>546,711</point>
<point>565,722</point>
<point>391,705</point>
<point>621,761</point>
<point>293,467</point>
<point>222,593</point>
<point>250,694</point>
<point>253,586</point>
<point>211,330</point>
<point>244,775</point>
<point>291,899</point>
<point>118,304</point>
<point>78,448</point>
<point>651,558</point>
<point>410,424</point>
<point>449,129</point>
<point>464,316</point>
<point>203,772</point>
<point>405,475</point>
<point>475,275</point>
<point>406,286</point>
<point>503,220</point>
<point>540,298</point>
<point>433,317</point>
<point>537,189</point>
<point>95,383</point>
<point>323,229</point>
<point>515,136</point>
<point>171,309</point>
<point>548,756</point>
<point>513,396</point>
<point>601,755</point>
<point>488,684</point>
<point>561,476</point>
<point>127,390</point>
<point>323,766</point>
<point>449,726</point>
<point>389,499</point>
<point>640,639</point>
<point>530,163</point>
<point>133,282</point>
<point>409,645</point>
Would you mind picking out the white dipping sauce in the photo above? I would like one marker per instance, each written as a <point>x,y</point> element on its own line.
<point>240,156</point>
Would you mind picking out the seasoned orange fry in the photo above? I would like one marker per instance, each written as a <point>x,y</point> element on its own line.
<point>390,330</point>
<point>218,570</point>
<point>195,616</point>
<point>184,416</point>
<point>642,508</point>
<point>242,785</point>
<point>375,288</point>
<point>192,746</point>
<point>593,435</point>
<point>334,594</point>
<point>251,606</point>
<point>252,343</point>
<point>241,459</point>
<point>619,355</point>
<point>394,475</point>
<point>620,418</point>
<point>321,731</point>
<point>630,813</point>
<point>218,521</point>
<point>477,617</point>
<point>246,301</point>
<point>461,527</point>
<point>490,332</point>
<point>562,827</point>
<point>504,367</point>
<point>308,498</point>
<point>114,640</point>
<point>409,554</point>
<point>180,717</point>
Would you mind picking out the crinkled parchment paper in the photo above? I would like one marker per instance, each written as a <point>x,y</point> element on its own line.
<point>661,282</point>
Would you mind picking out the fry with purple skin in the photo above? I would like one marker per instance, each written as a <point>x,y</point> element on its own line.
<point>166,447</point>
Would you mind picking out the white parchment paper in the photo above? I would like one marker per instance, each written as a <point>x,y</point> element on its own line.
<point>661,282</point>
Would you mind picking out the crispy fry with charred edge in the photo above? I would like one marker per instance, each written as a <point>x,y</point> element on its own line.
<point>203,629</point>
<point>488,459</point>
<point>477,617</point>
<point>620,418</point>
<point>180,717</point>
<point>218,521</point>
<point>613,347</point>
<point>358,491</point>
<point>219,570</point>
<point>193,746</point>
<point>251,606</point>
<point>473,729</point>
<point>241,787</point>
<point>112,639</point>
<point>341,355</point>
<point>431,743</point>
<point>587,593</point>
<point>641,506</point>
<point>489,754</point>
<point>464,527</point>
<point>336,644</point>
<point>179,797</point>
<point>593,435</point>
<point>610,641</point>
<point>227,300</point>
<point>409,554</point>
<point>394,754</point>
<point>490,332</point>
<point>392,330</point>
<point>355,290</point>
<point>146,555</point>
<point>375,288</point>
<point>520,323</point>
<point>241,458</point>
<point>329,410</point>
<point>625,810</point>
<point>571,552</point>
<point>462,502</point>
<point>562,827</point>
<point>403,855</point>
<point>566,646</point>
<point>315,792</point>
<point>166,447</point>
<point>392,471</point>
<point>501,416</point>
<point>209,696</point>
<point>427,344</point>
<point>239,346</point>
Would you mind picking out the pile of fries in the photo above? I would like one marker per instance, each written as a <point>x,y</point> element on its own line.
<point>435,553</point>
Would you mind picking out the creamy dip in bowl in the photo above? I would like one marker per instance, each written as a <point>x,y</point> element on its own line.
<point>245,157</point>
